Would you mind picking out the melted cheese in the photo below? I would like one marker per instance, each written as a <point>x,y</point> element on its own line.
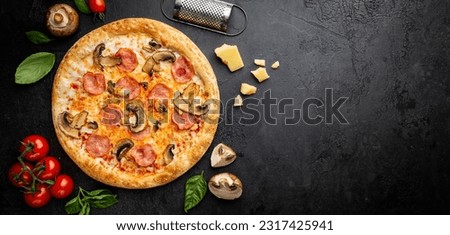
<point>76,99</point>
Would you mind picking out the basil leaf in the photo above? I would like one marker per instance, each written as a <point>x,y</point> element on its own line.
<point>73,206</point>
<point>97,198</point>
<point>37,37</point>
<point>195,190</point>
<point>105,202</point>
<point>98,192</point>
<point>82,6</point>
<point>83,202</point>
<point>86,209</point>
<point>34,67</point>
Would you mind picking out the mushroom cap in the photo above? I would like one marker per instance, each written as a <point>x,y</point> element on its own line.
<point>148,66</point>
<point>164,56</point>
<point>104,61</point>
<point>188,102</point>
<point>64,121</point>
<point>62,20</point>
<point>222,155</point>
<point>122,147</point>
<point>225,186</point>
<point>169,154</point>
<point>136,107</point>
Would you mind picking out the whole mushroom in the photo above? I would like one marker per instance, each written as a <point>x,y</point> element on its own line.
<point>62,20</point>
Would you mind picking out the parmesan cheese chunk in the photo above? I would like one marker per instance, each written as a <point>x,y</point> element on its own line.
<point>260,62</point>
<point>276,64</point>
<point>238,101</point>
<point>260,74</point>
<point>247,89</point>
<point>229,54</point>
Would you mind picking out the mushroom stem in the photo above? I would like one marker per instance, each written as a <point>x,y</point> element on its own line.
<point>58,18</point>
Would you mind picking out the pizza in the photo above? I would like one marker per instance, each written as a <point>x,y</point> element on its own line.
<point>135,103</point>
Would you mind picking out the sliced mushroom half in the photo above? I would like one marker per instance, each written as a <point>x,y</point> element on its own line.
<point>180,103</point>
<point>160,56</point>
<point>111,88</point>
<point>79,120</point>
<point>64,124</point>
<point>160,106</point>
<point>201,109</point>
<point>225,186</point>
<point>148,66</point>
<point>191,91</point>
<point>104,61</point>
<point>168,154</point>
<point>152,63</point>
<point>190,106</point>
<point>121,148</point>
<point>71,125</point>
<point>155,123</point>
<point>137,119</point>
<point>222,155</point>
<point>154,45</point>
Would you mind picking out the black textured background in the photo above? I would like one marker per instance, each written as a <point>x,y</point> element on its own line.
<point>390,57</point>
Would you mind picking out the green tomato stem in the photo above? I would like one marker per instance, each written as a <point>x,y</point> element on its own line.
<point>28,170</point>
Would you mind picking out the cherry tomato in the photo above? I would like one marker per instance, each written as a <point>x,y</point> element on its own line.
<point>24,179</point>
<point>39,147</point>
<point>47,168</point>
<point>97,6</point>
<point>62,187</point>
<point>39,198</point>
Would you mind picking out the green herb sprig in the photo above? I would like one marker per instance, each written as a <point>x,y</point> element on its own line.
<point>85,200</point>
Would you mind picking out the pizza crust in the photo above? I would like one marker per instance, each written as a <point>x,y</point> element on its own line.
<point>168,37</point>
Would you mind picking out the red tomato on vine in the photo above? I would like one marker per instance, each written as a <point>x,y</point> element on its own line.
<point>34,147</point>
<point>98,7</point>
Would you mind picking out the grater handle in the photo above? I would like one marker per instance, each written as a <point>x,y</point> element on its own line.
<point>206,28</point>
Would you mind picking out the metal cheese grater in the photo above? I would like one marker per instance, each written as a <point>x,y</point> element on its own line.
<point>212,15</point>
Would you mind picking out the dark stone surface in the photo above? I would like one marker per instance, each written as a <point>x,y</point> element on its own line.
<point>389,57</point>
